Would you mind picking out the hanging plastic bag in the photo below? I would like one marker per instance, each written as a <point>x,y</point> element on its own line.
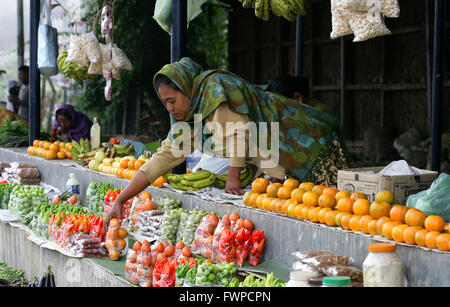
<point>163,12</point>
<point>47,44</point>
<point>435,200</point>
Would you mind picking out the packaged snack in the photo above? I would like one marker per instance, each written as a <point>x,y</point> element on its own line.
<point>328,260</point>
<point>339,270</point>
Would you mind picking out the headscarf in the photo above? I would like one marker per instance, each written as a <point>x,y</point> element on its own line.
<point>80,126</point>
<point>303,130</point>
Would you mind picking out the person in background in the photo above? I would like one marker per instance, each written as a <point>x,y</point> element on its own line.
<point>297,88</point>
<point>21,101</point>
<point>70,124</point>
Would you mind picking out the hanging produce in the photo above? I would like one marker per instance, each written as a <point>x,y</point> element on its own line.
<point>72,70</point>
<point>107,23</point>
<point>364,18</point>
<point>288,9</point>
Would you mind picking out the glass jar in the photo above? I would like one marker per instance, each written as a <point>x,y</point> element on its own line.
<point>382,267</point>
<point>337,281</point>
<point>300,278</point>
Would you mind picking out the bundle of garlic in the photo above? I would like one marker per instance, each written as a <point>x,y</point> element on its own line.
<point>364,18</point>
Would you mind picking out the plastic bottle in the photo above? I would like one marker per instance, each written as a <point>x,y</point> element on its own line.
<point>382,267</point>
<point>95,134</point>
<point>73,185</point>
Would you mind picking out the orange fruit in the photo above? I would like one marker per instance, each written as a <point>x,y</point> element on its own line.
<point>272,189</point>
<point>331,191</point>
<point>246,198</point>
<point>279,203</point>
<point>124,163</point>
<point>398,213</point>
<point>284,209</point>
<point>291,183</point>
<point>284,192</point>
<point>291,208</point>
<point>327,200</point>
<point>338,219</point>
<point>345,204</point>
<point>138,164</point>
<point>259,201</point>
<point>248,224</point>
<point>415,217</point>
<point>30,150</point>
<point>420,237</point>
<point>47,145</point>
<point>345,221</point>
<point>430,239</point>
<point>318,189</point>
<point>260,185</point>
<point>409,234</point>
<point>380,222</point>
<point>358,195</point>
<point>267,203</point>
<point>354,223</point>
<point>387,229</point>
<point>305,212</point>
<point>51,154</point>
<point>397,232</point>
<point>54,147</point>
<point>361,207</point>
<point>313,214</point>
<point>252,200</point>
<point>297,195</point>
<point>434,223</point>
<point>378,209</point>
<point>110,244</point>
<point>60,155</point>
<point>114,223</point>
<point>306,186</point>
<point>131,164</point>
<point>298,211</point>
<point>122,233</point>
<point>372,227</point>
<point>385,196</point>
<point>36,143</point>
<point>342,194</point>
<point>443,242</point>
<point>114,254</point>
<point>330,217</point>
<point>322,213</point>
<point>121,244</point>
<point>364,223</point>
<point>311,198</point>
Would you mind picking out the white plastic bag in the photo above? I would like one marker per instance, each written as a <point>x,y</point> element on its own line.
<point>47,44</point>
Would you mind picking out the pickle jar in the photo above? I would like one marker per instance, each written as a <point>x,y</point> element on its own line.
<point>382,267</point>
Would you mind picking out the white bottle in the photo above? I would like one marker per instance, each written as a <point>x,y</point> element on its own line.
<point>73,185</point>
<point>95,134</point>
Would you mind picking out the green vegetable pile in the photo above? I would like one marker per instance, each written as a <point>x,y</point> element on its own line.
<point>14,276</point>
<point>95,196</point>
<point>169,226</point>
<point>206,273</point>
<point>13,134</point>
<point>23,198</point>
<point>5,192</point>
<point>252,281</point>
<point>167,203</point>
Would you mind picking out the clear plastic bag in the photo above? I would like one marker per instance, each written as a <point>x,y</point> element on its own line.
<point>91,47</point>
<point>184,217</point>
<point>76,53</point>
<point>304,255</point>
<point>169,226</point>
<point>339,21</point>
<point>120,59</point>
<point>116,242</point>
<point>328,260</point>
<point>366,26</point>
<point>354,273</point>
<point>203,241</point>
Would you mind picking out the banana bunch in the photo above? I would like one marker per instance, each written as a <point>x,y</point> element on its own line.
<point>72,70</point>
<point>81,152</point>
<point>192,182</point>
<point>246,177</point>
<point>288,9</point>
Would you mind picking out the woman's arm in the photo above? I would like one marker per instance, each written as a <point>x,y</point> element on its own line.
<point>233,185</point>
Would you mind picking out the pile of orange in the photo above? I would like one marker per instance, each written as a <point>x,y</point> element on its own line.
<point>350,211</point>
<point>128,168</point>
<point>49,150</point>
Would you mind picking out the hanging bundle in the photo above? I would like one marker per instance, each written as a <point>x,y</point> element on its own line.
<point>364,18</point>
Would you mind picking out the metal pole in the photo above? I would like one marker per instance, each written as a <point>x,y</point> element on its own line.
<point>178,30</point>
<point>35,78</point>
<point>437,86</point>
<point>178,46</point>
<point>299,46</point>
<point>342,82</point>
<point>20,39</point>
<point>279,50</point>
<point>429,47</point>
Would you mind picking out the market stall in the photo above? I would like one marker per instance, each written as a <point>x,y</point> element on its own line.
<point>285,235</point>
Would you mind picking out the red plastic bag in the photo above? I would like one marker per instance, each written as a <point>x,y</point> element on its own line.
<point>164,273</point>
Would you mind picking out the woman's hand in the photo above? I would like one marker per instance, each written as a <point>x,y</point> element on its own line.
<point>233,185</point>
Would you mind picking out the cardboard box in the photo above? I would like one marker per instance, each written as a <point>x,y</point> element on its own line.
<point>359,180</point>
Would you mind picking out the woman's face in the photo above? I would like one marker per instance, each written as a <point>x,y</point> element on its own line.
<point>65,122</point>
<point>176,102</point>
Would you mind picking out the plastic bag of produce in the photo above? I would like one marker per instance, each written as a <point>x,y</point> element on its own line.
<point>167,203</point>
<point>120,59</point>
<point>131,267</point>
<point>339,270</point>
<point>76,53</point>
<point>224,224</point>
<point>91,47</point>
<point>169,226</point>
<point>116,242</point>
<point>194,220</point>
<point>181,272</point>
<point>184,217</point>
<point>203,241</point>
<point>328,260</point>
<point>206,274</point>
<point>225,272</point>
<point>164,273</point>
<point>435,200</point>
<point>144,265</point>
<point>304,255</point>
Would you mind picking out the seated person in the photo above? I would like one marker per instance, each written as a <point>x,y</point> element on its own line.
<point>297,88</point>
<point>70,124</point>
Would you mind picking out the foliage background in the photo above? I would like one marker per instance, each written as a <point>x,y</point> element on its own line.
<point>148,47</point>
